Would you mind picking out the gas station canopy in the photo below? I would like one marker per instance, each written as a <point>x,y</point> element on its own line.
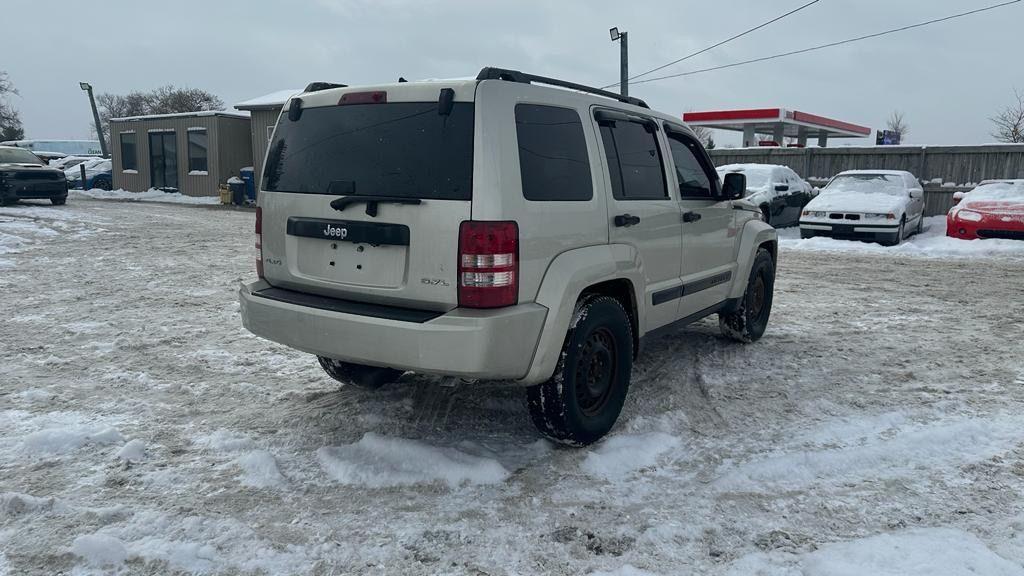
<point>778,122</point>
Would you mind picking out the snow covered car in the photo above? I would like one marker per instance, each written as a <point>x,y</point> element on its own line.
<point>98,174</point>
<point>777,190</point>
<point>23,176</point>
<point>878,205</point>
<point>995,209</point>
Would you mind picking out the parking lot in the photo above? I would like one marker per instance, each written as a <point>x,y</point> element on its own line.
<point>141,424</point>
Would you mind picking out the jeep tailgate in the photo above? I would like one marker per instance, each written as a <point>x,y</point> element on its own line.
<point>399,176</point>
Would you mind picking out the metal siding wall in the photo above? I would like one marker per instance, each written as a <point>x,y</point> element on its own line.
<point>234,148</point>
<point>189,185</point>
<point>261,120</point>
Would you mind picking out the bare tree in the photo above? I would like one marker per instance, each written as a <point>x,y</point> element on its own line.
<point>897,123</point>
<point>704,135</point>
<point>10,120</point>
<point>1010,121</point>
<point>163,100</point>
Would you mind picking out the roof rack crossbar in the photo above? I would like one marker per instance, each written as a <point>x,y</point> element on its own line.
<point>490,73</point>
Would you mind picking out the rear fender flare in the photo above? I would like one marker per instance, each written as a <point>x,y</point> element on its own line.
<point>568,275</point>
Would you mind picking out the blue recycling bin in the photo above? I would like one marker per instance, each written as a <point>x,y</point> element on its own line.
<point>237,186</point>
<point>249,176</point>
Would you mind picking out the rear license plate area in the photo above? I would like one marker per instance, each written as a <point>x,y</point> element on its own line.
<point>349,252</point>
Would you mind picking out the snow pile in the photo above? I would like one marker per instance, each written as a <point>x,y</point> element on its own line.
<point>151,195</point>
<point>932,243</point>
<point>618,456</point>
<point>915,552</point>
<point>62,440</point>
<point>133,451</point>
<point>887,455</point>
<point>378,461</point>
<point>16,504</point>
<point>99,550</point>
<point>227,441</point>
<point>259,470</point>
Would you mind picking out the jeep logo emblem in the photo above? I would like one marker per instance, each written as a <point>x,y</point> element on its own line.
<point>335,232</point>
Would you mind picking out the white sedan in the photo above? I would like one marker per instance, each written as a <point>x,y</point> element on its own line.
<point>880,205</point>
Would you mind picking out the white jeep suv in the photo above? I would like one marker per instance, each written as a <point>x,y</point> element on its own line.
<point>499,229</point>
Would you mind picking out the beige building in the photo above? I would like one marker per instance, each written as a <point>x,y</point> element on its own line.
<point>264,112</point>
<point>192,152</point>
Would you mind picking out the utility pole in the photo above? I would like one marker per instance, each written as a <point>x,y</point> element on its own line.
<point>623,39</point>
<point>96,117</point>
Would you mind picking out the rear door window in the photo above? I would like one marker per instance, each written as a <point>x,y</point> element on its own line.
<point>404,149</point>
<point>553,161</point>
<point>694,181</point>
<point>634,162</point>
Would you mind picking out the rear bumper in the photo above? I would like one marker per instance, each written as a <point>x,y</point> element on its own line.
<point>850,231</point>
<point>486,344</point>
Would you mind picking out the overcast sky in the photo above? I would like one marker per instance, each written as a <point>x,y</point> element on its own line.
<point>948,78</point>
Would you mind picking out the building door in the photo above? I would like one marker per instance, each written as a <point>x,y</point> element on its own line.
<point>163,160</point>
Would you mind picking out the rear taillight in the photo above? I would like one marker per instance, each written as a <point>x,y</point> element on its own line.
<point>488,264</point>
<point>377,97</point>
<point>259,241</point>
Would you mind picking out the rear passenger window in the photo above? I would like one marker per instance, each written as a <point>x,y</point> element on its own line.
<point>693,180</point>
<point>553,160</point>
<point>634,162</point>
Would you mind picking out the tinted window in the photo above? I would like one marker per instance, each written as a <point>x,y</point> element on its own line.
<point>693,180</point>
<point>401,149</point>
<point>18,156</point>
<point>197,150</point>
<point>128,159</point>
<point>553,159</point>
<point>634,162</point>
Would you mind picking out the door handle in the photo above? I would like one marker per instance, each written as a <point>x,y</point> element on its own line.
<point>691,216</point>
<point>625,220</point>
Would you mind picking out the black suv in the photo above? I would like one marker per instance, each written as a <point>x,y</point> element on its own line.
<point>23,176</point>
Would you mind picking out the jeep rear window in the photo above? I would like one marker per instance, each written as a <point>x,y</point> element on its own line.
<point>404,149</point>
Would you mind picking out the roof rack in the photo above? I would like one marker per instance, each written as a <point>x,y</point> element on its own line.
<point>490,73</point>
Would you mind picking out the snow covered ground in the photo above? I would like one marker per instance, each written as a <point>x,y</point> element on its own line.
<point>875,429</point>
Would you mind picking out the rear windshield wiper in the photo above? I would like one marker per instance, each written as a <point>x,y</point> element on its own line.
<point>371,202</point>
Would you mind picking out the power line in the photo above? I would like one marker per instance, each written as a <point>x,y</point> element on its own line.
<point>830,44</point>
<point>727,40</point>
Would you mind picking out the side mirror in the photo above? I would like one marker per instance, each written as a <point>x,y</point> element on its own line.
<point>958,196</point>
<point>734,186</point>
<point>915,193</point>
<point>815,191</point>
<point>782,187</point>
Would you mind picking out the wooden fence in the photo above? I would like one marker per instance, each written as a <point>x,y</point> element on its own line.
<point>959,167</point>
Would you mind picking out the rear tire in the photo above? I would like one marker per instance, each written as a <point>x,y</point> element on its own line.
<point>358,375</point>
<point>584,397</point>
<point>748,321</point>
<point>59,201</point>
<point>102,184</point>
<point>805,234</point>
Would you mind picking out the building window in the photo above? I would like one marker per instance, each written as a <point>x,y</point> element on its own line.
<point>128,159</point>
<point>553,160</point>
<point>198,145</point>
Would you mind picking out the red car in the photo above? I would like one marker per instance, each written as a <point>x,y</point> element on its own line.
<point>995,209</point>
